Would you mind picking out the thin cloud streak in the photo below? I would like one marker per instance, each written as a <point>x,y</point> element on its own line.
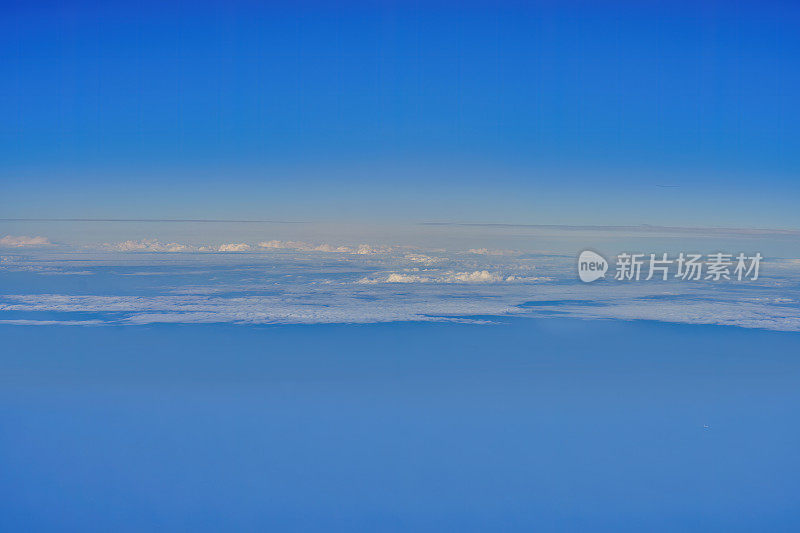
<point>643,228</point>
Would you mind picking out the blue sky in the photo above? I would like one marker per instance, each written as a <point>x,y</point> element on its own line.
<point>564,113</point>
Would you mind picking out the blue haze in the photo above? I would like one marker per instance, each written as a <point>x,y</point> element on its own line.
<point>548,425</point>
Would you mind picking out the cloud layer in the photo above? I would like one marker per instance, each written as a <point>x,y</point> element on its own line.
<point>310,285</point>
<point>154,245</point>
<point>22,241</point>
<point>149,245</point>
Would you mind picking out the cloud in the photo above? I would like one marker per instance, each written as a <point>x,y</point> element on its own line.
<point>383,303</point>
<point>149,245</point>
<point>478,276</point>
<point>300,246</point>
<point>304,246</point>
<point>301,308</point>
<point>397,277</point>
<point>272,244</point>
<point>308,288</point>
<point>528,279</point>
<point>234,247</point>
<point>330,248</point>
<point>301,290</point>
<point>154,245</point>
<point>366,249</point>
<point>486,251</point>
<point>22,241</point>
<point>424,259</point>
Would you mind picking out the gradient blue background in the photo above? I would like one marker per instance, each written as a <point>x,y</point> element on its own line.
<point>550,112</point>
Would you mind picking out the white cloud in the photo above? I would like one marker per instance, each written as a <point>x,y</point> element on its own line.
<point>486,251</point>
<point>424,259</point>
<point>272,244</point>
<point>22,240</point>
<point>300,246</point>
<point>366,249</point>
<point>399,286</point>
<point>304,308</point>
<point>154,245</point>
<point>330,248</point>
<point>303,246</point>
<point>397,277</point>
<point>329,295</point>
<point>149,245</point>
<point>234,247</point>
<point>527,279</point>
<point>478,276</point>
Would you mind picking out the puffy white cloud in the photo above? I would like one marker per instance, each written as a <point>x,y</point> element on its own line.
<point>479,276</point>
<point>424,259</point>
<point>23,240</point>
<point>366,249</point>
<point>234,247</point>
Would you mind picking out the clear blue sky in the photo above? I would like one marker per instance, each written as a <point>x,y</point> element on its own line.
<point>560,112</point>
